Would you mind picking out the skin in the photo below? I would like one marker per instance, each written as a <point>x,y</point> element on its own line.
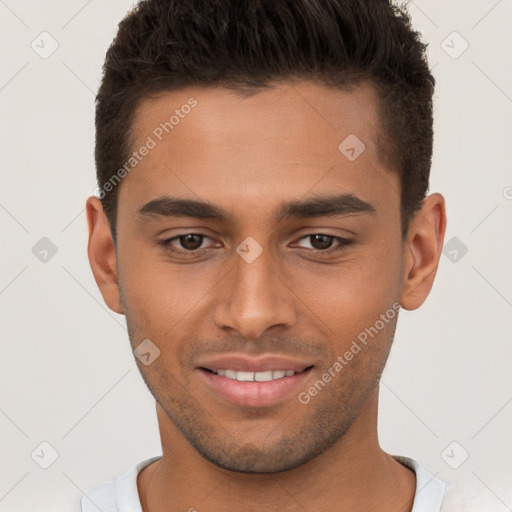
<point>248,156</point>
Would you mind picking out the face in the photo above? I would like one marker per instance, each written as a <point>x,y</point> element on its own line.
<point>256,254</point>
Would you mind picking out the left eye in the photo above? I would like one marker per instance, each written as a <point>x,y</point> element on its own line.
<point>324,242</point>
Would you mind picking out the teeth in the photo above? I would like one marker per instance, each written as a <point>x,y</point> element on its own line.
<point>263,376</point>
<point>245,376</point>
<point>254,376</point>
<point>230,374</point>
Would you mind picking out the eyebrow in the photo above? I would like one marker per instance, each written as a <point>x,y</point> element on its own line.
<point>319,206</point>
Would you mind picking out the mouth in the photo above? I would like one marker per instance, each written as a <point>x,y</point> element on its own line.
<point>246,382</point>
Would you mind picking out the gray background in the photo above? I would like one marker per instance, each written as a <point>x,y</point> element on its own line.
<point>68,377</point>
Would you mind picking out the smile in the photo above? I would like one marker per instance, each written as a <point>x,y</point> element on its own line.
<point>254,389</point>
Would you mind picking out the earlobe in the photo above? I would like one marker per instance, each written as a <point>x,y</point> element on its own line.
<point>102,255</point>
<point>422,251</point>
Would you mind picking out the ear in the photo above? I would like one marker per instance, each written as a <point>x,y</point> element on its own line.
<point>102,255</point>
<point>422,250</point>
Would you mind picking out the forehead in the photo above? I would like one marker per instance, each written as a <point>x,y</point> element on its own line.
<point>283,142</point>
<point>283,111</point>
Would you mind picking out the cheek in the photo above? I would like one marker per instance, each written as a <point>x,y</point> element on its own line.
<point>346,302</point>
<point>376,283</point>
<point>164,300</point>
<point>356,289</point>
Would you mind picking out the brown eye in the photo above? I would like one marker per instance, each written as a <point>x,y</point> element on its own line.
<point>325,245</point>
<point>191,241</point>
<point>185,245</point>
<point>321,242</point>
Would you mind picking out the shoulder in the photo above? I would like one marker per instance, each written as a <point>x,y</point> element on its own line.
<point>119,495</point>
<point>436,495</point>
<point>100,497</point>
<point>465,498</point>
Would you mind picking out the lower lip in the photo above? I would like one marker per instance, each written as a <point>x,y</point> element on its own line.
<point>254,394</point>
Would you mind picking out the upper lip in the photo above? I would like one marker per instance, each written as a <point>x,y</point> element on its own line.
<point>245,363</point>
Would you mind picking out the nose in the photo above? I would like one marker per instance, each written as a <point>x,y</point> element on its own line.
<point>254,298</point>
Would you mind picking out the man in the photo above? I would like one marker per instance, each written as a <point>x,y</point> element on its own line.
<point>263,168</point>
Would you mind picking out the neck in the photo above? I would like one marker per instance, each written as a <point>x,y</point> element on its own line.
<point>354,474</point>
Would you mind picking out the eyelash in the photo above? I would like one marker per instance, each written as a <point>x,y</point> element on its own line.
<point>342,245</point>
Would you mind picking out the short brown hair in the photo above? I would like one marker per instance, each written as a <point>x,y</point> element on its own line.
<point>165,45</point>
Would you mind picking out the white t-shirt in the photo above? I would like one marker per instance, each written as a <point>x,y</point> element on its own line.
<point>432,493</point>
